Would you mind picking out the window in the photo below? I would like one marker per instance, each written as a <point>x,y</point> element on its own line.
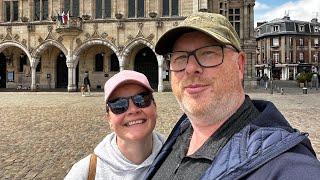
<point>258,32</point>
<point>234,18</point>
<point>316,29</point>
<point>275,41</point>
<point>301,42</point>
<point>301,28</point>
<point>103,9</point>
<point>99,62</point>
<point>40,10</point>
<point>135,8</point>
<point>72,6</point>
<point>11,14</point>
<point>38,68</point>
<point>276,57</point>
<point>301,56</point>
<point>170,7</point>
<point>114,65</point>
<point>315,57</point>
<point>290,41</point>
<point>316,41</point>
<point>23,62</point>
<point>276,28</point>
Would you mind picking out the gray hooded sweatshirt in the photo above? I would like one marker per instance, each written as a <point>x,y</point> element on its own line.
<point>111,164</point>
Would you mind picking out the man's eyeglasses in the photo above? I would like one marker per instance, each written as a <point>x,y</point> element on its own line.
<point>207,56</point>
<point>121,105</point>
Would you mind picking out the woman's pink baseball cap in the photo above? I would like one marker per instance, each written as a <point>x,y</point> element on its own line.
<point>125,77</point>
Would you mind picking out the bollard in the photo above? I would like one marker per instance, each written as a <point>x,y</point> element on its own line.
<point>282,91</point>
<point>305,90</point>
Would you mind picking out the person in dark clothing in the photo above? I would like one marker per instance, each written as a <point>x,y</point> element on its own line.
<point>223,133</point>
<point>86,82</point>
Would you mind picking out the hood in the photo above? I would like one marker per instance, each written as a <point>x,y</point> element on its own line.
<point>109,152</point>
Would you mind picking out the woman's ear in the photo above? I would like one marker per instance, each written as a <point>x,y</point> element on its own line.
<point>107,117</point>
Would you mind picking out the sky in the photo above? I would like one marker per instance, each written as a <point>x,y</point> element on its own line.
<point>304,10</point>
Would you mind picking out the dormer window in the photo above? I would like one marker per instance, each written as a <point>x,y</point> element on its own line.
<point>301,28</point>
<point>316,42</point>
<point>258,32</point>
<point>316,29</point>
<point>276,28</point>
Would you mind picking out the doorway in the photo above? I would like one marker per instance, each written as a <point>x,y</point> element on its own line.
<point>62,72</point>
<point>3,70</point>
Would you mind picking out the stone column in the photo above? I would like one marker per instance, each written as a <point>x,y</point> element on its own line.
<point>2,10</point>
<point>203,5</point>
<point>31,10</point>
<point>160,73</point>
<point>33,65</point>
<point>71,75</point>
<point>121,62</point>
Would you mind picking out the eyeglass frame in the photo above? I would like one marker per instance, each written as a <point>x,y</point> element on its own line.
<point>189,53</point>
<point>146,93</point>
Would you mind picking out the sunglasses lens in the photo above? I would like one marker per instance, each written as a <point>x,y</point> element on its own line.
<point>142,100</point>
<point>119,106</point>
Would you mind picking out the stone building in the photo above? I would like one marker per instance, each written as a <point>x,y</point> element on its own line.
<point>51,43</point>
<point>293,47</point>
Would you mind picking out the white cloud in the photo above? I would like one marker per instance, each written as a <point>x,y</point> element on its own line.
<point>303,10</point>
<point>260,6</point>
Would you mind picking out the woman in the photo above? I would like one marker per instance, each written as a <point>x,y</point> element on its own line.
<point>127,152</point>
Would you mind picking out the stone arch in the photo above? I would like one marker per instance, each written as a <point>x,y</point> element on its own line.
<point>134,43</point>
<point>92,42</point>
<point>6,44</point>
<point>46,44</point>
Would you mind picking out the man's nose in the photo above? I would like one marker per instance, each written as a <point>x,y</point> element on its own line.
<point>192,65</point>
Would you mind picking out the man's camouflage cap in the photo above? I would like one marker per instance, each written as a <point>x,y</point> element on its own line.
<point>214,25</point>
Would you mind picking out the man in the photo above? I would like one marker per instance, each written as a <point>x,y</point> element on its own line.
<point>223,134</point>
<point>86,82</point>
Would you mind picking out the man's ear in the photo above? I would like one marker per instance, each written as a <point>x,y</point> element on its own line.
<point>241,64</point>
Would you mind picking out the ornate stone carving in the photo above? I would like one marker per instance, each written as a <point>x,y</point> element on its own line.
<point>78,41</point>
<point>150,37</point>
<point>104,35</point>
<point>16,37</point>
<point>60,39</point>
<point>120,25</point>
<point>130,38</point>
<point>140,25</point>
<point>9,30</point>
<point>95,32</point>
<point>112,39</point>
<point>87,36</point>
<point>1,37</point>
<point>40,40</point>
<point>175,23</point>
<point>120,48</point>
<point>50,35</point>
<point>159,24</point>
<point>24,42</point>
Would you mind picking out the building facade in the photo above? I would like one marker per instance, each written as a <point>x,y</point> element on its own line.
<point>291,45</point>
<point>51,43</point>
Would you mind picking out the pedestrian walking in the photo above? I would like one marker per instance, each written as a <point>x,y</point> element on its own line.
<point>265,79</point>
<point>86,82</point>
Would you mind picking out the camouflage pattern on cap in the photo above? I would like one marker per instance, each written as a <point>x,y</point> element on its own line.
<point>214,25</point>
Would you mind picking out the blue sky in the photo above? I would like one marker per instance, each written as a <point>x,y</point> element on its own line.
<point>304,10</point>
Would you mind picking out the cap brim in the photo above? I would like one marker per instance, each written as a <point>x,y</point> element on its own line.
<point>166,41</point>
<point>127,81</point>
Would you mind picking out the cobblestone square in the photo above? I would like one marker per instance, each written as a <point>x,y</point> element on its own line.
<point>42,134</point>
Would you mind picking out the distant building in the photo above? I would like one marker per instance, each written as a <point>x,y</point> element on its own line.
<point>50,44</point>
<point>291,45</point>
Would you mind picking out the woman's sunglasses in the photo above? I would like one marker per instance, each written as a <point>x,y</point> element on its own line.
<point>121,105</point>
